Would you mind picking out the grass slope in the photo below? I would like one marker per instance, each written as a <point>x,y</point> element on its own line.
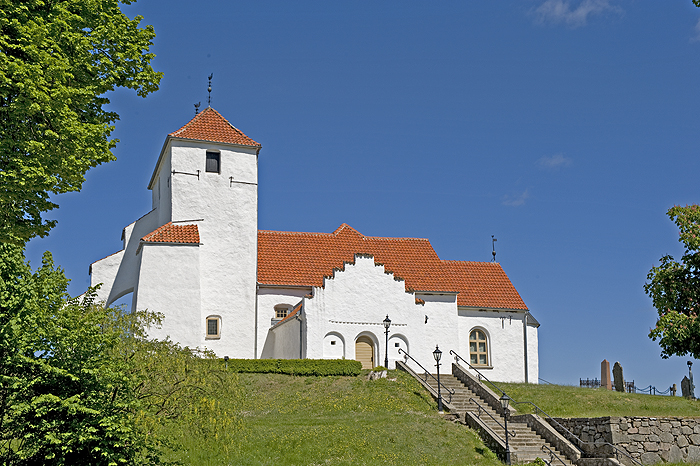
<point>569,401</point>
<point>287,420</point>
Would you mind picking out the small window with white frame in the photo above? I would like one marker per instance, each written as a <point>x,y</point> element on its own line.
<point>281,311</point>
<point>213,327</point>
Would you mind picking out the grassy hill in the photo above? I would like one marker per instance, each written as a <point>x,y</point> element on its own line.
<point>569,401</point>
<point>271,419</point>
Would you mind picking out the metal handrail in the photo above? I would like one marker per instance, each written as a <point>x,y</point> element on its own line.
<point>539,410</point>
<point>457,356</point>
<point>451,392</point>
<point>552,455</point>
<point>481,408</point>
<point>579,441</point>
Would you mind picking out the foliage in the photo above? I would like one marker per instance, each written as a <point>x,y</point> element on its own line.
<point>64,397</point>
<point>675,290</point>
<point>82,384</point>
<point>302,367</point>
<point>57,61</point>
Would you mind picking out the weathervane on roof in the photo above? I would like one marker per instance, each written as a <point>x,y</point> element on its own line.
<point>493,245</point>
<point>209,90</point>
<point>196,107</point>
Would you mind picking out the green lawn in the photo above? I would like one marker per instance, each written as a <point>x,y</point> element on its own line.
<point>288,420</point>
<point>569,401</point>
<point>272,419</point>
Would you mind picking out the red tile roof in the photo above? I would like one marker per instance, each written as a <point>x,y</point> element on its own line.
<point>304,259</point>
<point>169,233</point>
<point>209,125</point>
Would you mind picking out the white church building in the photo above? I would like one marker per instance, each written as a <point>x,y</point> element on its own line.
<point>199,259</point>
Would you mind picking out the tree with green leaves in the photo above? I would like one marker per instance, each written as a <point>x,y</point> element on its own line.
<point>81,384</point>
<point>674,288</point>
<point>58,59</point>
<point>67,394</point>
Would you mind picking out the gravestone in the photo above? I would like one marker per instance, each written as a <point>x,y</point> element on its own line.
<point>692,385</point>
<point>685,387</point>
<point>618,380</point>
<point>605,375</point>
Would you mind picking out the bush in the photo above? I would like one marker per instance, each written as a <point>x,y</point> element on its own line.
<point>303,367</point>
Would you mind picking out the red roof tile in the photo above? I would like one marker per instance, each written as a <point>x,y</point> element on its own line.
<point>304,259</point>
<point>209,125</point>
<point>169,233</point>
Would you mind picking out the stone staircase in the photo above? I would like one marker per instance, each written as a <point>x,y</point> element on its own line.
<point>526,445</point>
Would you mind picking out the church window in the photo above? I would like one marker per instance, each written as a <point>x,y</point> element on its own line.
<point>213,162</point>
<point>478,348</point>
<point>281,312</point>
<point>213,327</point>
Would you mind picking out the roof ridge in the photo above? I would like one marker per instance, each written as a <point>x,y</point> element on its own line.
<point>471,262</point>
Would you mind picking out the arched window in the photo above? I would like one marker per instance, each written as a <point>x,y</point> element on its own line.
<point>478,348</point>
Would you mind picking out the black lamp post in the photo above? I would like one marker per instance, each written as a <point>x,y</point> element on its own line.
<point>437,354</point>
<point>387,323</point>
<point>505,400</point>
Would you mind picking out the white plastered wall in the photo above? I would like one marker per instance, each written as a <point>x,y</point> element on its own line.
<point>285,340</point>
<point>269,297</point>
<point>119,272</point>
<point>227,203</point>
<point>355,302</point>
<point>169,283</point>
<point>506,348</point>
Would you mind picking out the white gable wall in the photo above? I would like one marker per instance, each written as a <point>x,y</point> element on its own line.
<point>355,302</point>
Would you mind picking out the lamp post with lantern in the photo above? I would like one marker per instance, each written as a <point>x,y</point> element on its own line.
<point>437,354</point>
<point>505,400</point>
<point>387,324</point>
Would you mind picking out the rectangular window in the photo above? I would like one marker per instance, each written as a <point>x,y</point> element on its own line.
<point>213,327</point>
<point>213,162</point>
<point>281,312</point>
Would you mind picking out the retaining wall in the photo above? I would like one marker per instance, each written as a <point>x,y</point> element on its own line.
<point>649,440</point>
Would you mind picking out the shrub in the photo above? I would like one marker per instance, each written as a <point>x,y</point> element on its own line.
<point>303,367</point>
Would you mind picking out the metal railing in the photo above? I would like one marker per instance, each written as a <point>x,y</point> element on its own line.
<point>480,375</point>
<point>552,455</point>
<point>427,373</point>
<point>579,442</point>
<point>481,408</point>
<point>539,410</point>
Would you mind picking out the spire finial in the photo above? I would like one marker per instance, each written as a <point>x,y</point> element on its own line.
<point>209,89</point>
<point>196,107</point>
<point>493,245</point>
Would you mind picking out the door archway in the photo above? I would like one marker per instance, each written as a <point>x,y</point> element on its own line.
<point>364,351</point>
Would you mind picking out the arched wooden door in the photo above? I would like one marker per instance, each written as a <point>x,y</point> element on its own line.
<point>364,352</point>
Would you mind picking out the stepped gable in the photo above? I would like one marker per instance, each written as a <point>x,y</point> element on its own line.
<point>482,284</point>
<point>209,125</point>
<point>169,233</point>
<point>304,259</point>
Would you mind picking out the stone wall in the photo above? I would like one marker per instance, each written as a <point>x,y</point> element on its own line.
<point>649,440</point>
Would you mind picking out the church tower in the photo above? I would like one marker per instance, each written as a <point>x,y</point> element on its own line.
<point>199,266</point>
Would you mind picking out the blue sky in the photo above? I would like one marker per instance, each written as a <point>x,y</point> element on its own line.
<point>564,128</point>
